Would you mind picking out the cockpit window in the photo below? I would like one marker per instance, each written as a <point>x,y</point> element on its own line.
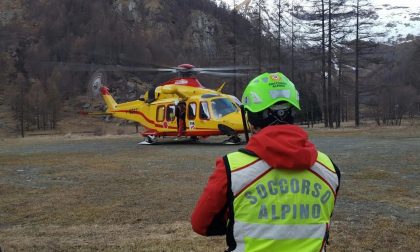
<point>222,107</point>
<point>236,100</point>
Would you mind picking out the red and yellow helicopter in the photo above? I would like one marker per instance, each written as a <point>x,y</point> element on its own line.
<point>205,112</point>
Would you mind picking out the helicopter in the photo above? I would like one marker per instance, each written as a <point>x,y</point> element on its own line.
<point>206,112</point>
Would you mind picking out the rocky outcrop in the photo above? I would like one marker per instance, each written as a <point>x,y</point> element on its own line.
<point>128,8</point>
<point>202,33</point>
<point>184,32</point>
<point>10,9</point>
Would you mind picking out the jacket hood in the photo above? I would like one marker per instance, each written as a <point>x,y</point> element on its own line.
<point>283,146</point>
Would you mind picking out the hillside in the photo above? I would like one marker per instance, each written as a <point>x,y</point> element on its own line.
<point>49,50</point>
<point>42,34</point>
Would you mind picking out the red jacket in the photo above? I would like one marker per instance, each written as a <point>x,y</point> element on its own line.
<point>281,146</point>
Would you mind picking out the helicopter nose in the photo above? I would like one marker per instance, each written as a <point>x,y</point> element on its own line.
<point>234,121</point>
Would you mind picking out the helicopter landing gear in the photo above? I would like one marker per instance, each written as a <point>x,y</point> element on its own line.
<point>148,140</point>
<point>194,139</point>
<point>232,140</point>
<point>231,133</point>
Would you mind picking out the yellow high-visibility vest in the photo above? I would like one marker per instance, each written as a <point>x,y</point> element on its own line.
<point>281,209</point>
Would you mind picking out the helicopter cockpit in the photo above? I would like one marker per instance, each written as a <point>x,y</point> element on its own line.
<point>220,106</point>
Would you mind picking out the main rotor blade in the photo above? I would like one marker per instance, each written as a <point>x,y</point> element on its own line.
<point>71,66</point>
<point>223,74</point>
<point>81,67</point>
<point>226,68</point>
<point>146,69</point>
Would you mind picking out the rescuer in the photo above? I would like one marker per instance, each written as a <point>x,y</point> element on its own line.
<point>278,193</point>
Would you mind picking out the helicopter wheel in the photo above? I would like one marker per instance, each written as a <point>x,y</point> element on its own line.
<point>232,140</point>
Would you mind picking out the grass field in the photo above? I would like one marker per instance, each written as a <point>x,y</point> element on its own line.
<point>79,193</point>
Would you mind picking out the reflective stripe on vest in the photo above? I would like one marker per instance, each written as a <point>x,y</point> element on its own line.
<point>241,178</point>
<point>326,174</point>
<point>276,232</point>
<point>265,231</point>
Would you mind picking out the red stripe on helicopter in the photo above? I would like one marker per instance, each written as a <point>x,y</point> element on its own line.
<point>140,113</point>
<point>196,132</point>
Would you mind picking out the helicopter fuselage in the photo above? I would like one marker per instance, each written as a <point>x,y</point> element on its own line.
<point>205,111</point>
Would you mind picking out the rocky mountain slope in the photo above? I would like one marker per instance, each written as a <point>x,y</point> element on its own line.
<point>49,50</point>
<point>38,37</point>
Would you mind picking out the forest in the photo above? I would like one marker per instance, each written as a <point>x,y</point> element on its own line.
<point>49,49</point>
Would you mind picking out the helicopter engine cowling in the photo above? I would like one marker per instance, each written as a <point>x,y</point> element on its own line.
<point>172,89</point>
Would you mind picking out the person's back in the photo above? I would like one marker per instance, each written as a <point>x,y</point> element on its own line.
<point>278,193</point>
<point>284,192</point>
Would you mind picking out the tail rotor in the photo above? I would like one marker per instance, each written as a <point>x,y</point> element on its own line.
<point>97,81</point>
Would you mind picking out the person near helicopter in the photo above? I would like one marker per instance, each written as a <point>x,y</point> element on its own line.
<point>278,193</point>
<point>180,113</point>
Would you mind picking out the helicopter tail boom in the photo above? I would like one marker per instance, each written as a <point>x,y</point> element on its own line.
<point>109,100</point>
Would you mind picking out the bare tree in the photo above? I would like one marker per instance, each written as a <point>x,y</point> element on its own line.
<point>328,20</point>
<point>54,100</point>
<point>37,103</point>
<point>364,14</point>
<point>234,13</point>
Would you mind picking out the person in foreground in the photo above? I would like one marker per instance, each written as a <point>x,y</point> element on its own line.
<point>278,193</point>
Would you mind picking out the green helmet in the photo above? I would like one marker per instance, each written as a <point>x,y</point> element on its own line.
<point>267,89</point>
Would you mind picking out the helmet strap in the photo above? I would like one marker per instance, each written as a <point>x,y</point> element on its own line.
<point>283,116</point>
<point>269,117</point>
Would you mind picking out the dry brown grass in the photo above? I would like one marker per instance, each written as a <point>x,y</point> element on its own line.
<point>127,199</point>
<point>175,236</point>
<point>380,234</point>
<point>87,193</point>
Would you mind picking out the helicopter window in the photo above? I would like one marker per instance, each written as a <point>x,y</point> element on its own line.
<point>170,113</point>
<point>222,107</point>
<point>160,115</point>
<point>192,109</point>
<point>236,100</point>
<point>204,111</point>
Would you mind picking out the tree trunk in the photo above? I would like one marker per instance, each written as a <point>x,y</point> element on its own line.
<point>279,36</point>
<point>330,118</point>
<point>293,44</point>
<point>356,85</point>
<point>340,79</point>
<point>324,88</point>
<point>235,84</point>
<point>259,38</point>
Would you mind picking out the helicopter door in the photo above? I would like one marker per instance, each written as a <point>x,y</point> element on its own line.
<point>203,117</point>
<point>204,111</point>
<point>170,115</point>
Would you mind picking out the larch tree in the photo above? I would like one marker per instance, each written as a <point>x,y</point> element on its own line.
<point>364,15</point>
